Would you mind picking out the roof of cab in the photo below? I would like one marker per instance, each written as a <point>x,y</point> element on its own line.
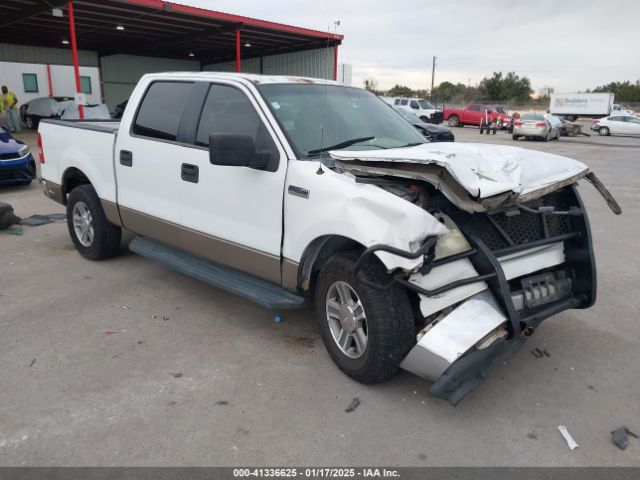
<point>249,77</point>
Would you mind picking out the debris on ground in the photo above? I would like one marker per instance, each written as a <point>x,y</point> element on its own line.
<point>7,217</point>
<point>536,352</point>
<point>567,436</point>
<point>277,319</point>
<point>353,405</point>
<point>546,354</point>
<point>620,437</point>
<point>38,220</point>
<point>177,375</point>
<point>32,363</point>
<point>17,230</point>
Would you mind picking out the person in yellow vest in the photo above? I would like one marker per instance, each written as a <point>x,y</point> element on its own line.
<point>9,105</point>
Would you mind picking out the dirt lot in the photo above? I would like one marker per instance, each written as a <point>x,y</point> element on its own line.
<point>192,375</point>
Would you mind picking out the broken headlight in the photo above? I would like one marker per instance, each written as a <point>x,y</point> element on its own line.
<point>451,242</point>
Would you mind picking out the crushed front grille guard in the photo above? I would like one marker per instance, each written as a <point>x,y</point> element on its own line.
<point>484,261</point>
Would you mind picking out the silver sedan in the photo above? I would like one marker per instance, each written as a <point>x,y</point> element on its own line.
<point>536,125</point>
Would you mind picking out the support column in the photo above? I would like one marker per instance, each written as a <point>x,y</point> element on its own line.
<point>74,54</point>
<point>49,80</point>
<point>335,62</point>
<point>238,50</point>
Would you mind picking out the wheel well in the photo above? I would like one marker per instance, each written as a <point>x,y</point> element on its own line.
<point>317,252</point>
<point>71,179</point>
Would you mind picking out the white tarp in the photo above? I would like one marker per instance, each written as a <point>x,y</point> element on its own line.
<point>47,107</point>
<point>98,112</point>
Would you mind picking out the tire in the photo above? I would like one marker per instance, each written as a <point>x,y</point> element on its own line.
<point>515,137</point>
<point>604,131</point>
<point>453,121</point>
<point>102,239</point>
<point>31,122</point>
<point>388,318</point>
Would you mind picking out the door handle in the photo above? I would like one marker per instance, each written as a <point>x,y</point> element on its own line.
<point>190,173</point>
<point>126,158</point>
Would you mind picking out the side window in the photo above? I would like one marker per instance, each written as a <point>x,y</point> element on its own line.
<point>228,110</point>
<point>30,82</point>
<point>397,102</point>
<point>475,108</point>
<point>161,110</point>
<point>414,104</point>
<point>404,101</point>
<point>616,119</point>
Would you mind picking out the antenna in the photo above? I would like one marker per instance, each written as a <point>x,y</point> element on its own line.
<point>320,171</point>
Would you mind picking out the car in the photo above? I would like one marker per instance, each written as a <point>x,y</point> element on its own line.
<point>433,133</point>
<point>537,125</point>
<point>424,109</point>
<point>475,114</point>
<point>17,166</point>
<point>119,110</point>
<point>33,111</point>
<point>440,259</point>
<point>617,125</point>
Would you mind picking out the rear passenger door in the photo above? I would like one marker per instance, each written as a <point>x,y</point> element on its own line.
<point>147,162</point>
<point>233,215</point>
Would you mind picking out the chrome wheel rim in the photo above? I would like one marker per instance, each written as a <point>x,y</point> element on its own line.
<point>346,319</point>
<point>83,224</point>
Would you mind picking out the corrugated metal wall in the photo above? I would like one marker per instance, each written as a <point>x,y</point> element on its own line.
<point>120,73</point>
<point>54,56</point>
<point>310,63</point>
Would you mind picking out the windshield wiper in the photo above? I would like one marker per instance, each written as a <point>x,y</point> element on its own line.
<point>414,144</point>
<point>338,146</point>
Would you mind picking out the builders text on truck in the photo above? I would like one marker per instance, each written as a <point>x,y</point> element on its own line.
<point>440,259</point>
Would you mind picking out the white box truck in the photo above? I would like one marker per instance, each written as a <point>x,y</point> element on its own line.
<point>573,105</point>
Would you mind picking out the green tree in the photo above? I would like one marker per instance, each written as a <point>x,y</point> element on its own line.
<point>400,91</point>
<point>371,84</point>
<point>623,91</point>
<point>509,87</point>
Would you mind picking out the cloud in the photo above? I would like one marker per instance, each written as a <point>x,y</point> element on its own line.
<point>568,44</point>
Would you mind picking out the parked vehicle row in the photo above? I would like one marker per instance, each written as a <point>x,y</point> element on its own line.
<point>474,114</point>
<point>438,259</point>
<point>433,133</point>
<point>537,125</point>
<point>418,106</point>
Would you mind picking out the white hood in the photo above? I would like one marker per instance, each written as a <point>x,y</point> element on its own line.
<point>481,169</point>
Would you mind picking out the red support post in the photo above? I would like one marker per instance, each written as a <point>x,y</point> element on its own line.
<point>238,50</point>
<point>335,62</point>
<point>50,81</point>
<point>74,54</point>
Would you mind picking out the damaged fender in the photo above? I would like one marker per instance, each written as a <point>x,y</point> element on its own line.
<point>367,215</point>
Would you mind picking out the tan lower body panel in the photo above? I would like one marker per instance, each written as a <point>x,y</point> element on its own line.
<point>54,192</point>
<point>290,274</point>
<point>111,212</point>
<point>248,260</point>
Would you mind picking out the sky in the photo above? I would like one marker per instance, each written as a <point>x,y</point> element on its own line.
<point>570,45</point>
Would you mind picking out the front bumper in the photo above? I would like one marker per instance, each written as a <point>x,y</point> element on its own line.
<point>481,305</point>
<point>18,171</point>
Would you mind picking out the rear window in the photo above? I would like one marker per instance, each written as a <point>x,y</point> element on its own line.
<point>532,116</point>
<point>161,110</point>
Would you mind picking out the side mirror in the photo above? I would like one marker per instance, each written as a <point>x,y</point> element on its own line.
<point>236,151</point>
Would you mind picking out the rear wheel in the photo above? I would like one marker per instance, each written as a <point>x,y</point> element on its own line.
<point>31,122</point>
<point>604,131</point>
<point>366,332</point>
<point>515,137</point>
<point>453,121</point>
<point>92,234</point>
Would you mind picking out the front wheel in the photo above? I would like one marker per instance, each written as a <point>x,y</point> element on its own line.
<point>453,121</point>
<point>604,131</point>
<point>92,234</point>
<point>367,332</point>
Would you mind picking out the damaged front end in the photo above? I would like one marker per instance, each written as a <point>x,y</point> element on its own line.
<point>485,286</point>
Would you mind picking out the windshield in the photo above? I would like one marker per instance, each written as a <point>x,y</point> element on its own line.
<point>426,105</point>
<point>408,116</point>
<point>349,114</point>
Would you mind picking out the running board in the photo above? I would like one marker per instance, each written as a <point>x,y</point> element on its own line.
<point>246,286</point>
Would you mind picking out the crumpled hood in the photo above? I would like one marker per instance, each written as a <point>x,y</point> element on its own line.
<point>481,169</point>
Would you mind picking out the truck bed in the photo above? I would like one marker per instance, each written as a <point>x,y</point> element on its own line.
<point>106,126</point>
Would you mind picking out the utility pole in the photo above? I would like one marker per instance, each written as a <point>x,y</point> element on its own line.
<point>433,76</point>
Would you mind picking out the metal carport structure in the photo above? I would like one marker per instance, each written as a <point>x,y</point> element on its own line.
<point>162,30</point>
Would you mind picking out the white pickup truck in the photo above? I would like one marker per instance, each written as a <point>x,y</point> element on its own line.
<point>437,258</point>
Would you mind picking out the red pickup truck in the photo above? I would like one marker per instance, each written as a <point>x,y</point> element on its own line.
<point>473,114</point>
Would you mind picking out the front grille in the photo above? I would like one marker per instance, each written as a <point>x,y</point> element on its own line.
<point>495,230</point>
<point>9,156</point>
